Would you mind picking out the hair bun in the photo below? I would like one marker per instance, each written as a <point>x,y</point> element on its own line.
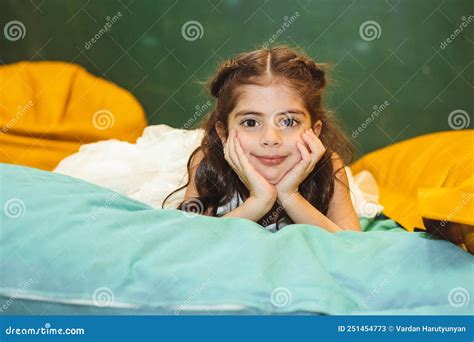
<point>317,72</point>
<point>224,72</point>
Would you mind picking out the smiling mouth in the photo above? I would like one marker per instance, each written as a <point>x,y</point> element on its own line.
<point>271,161</point>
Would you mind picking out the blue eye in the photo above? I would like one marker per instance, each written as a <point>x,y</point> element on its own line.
<point>287,122</point>
<point>290,121</point>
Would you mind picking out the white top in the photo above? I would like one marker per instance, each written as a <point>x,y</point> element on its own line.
<point>235,202</point>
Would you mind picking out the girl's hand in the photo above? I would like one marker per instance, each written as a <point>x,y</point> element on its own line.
<point>258,186</point>
<point>288,185</point>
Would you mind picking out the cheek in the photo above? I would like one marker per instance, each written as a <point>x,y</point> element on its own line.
<point>248,143</point>
<point>293,159</point>
<point>247,146</point>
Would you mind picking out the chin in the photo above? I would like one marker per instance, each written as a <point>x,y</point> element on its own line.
<point>273,182</point>
<point>273,176</point>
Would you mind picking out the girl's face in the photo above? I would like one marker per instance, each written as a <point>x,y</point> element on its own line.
<point>269,121</point>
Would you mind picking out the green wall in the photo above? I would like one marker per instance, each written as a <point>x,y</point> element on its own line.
<point>145,52</point>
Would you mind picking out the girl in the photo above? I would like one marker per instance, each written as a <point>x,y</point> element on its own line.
<point>270,152</point>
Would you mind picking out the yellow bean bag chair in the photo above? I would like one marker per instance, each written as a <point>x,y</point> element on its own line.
<point>49,109</point>
<point>430,176</point>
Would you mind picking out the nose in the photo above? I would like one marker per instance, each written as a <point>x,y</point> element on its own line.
<point>270,137</point>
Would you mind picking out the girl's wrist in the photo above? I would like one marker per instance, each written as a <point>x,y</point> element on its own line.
<point>284,198</point>
<point>261,204</point>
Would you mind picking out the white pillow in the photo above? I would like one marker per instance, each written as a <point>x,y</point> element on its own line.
<point>156,165</point>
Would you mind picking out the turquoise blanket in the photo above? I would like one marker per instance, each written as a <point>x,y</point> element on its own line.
<point>71,247</point>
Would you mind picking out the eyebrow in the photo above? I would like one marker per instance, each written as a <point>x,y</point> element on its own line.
<point>249,112</point>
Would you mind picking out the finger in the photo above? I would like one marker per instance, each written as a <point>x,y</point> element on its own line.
<point>240,154</point>
<point>317,150</point>
<point>245,172</point>
<point>310,163</point>
<point>233,153</point>
<point>305,156</point>
<point>311,140</point>
<point>236,157</point>
<point>247,168</point>
<point>229,155</point>
<point>316,146</point>
<point>318,141</point>
<point>226,147</point>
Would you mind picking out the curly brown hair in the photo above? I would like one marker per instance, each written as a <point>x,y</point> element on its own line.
<point>215,181</point>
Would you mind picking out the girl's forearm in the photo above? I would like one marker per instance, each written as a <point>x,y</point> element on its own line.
<point>252,209</point>
<point>301,211</point>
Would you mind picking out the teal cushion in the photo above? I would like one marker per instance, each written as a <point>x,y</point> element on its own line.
<point>70,247</point>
